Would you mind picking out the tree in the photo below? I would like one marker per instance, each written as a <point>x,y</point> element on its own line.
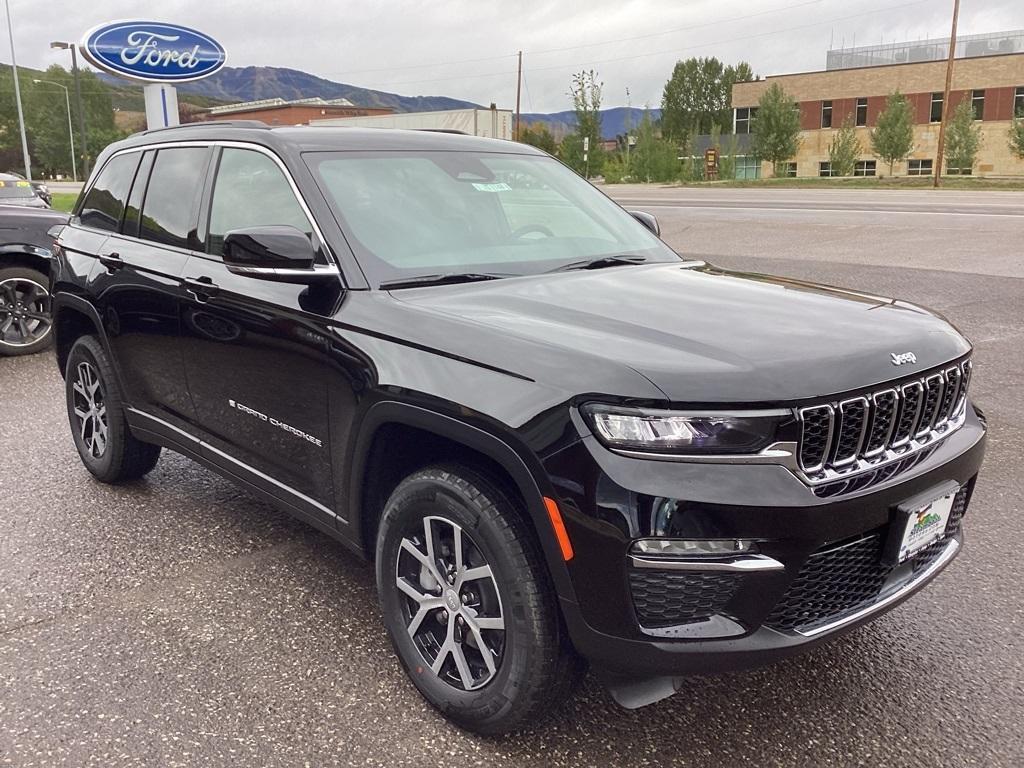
<point>698,96</point>
<point>653,158</point>
<point>844,150</point>
<point>1017,136</point>
<point>893,136</point>
<point>585,92</point>
<point>538,135</point>
<point>963,139</point>
<point>776,127</point>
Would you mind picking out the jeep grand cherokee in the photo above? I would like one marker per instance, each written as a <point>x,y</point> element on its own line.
<point>558,440</point>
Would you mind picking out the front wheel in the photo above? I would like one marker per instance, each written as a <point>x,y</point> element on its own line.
<point>468,603</point>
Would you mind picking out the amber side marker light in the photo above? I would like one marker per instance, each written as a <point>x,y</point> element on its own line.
<point>559,526</point>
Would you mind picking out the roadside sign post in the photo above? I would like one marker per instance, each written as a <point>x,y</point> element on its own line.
<point>158,54</point>
<point>711,164</point>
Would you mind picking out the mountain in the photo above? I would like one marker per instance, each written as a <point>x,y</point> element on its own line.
<point>613,120</point>
<point>234,84</point>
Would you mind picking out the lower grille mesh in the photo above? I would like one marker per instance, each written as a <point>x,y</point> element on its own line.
<point>671,598</point>
<point>840,580</point>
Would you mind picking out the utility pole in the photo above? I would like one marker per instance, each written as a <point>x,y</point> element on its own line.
<point>17,96</point>
<point>519,86</point>
<point>945,98</point>
<point>78,103</point>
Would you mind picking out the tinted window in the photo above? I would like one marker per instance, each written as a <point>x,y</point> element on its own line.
<point>103,206</point>
<point>251,191</point>
<point>174,184</point>
<point>131,213</point>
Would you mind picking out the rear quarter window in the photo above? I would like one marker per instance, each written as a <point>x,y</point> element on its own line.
<point>104,203</point>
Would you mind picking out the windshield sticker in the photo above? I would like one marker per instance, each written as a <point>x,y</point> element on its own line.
<point>496,187</point>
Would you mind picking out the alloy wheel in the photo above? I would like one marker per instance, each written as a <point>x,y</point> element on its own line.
<point>24,312</point>
<point>452,608</point>
<point>90,409</point>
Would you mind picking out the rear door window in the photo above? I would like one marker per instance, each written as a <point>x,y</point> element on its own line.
<point>172,196</point>
<point>104,204</point>
<point>133,209</point>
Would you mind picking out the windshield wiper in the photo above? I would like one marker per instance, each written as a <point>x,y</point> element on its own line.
<point>600,263</point>
<point>444,278</point>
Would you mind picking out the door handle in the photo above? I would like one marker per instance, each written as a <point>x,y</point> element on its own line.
<point>112,261</point>
<point>202,288</point>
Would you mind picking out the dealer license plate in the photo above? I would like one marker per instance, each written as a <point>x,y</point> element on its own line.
<point>925,525</point>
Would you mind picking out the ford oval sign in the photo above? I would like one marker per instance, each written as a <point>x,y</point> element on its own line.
<point>152,51</point>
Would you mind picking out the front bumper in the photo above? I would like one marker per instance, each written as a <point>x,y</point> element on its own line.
<point>609,501</point>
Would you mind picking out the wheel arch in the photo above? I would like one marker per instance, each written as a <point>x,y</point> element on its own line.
<point>370,478</point>
<point>25,255</point>
<point>73,317</point>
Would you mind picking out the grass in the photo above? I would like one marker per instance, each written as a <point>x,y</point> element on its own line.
<point>901,182</point>
<point>64,201</point>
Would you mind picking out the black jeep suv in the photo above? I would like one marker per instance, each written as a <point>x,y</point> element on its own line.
<point>559,440</point>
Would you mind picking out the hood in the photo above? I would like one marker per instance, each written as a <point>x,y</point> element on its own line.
<point>25,202</point>
<point>707,335</point>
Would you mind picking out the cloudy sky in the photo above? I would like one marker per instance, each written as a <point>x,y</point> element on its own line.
<point>466,48</point>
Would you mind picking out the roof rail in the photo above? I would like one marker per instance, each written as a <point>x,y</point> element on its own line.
<point>211,123</point>
<point>442,130</point>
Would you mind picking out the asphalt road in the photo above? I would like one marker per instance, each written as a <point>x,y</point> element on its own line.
<point>177,621</point>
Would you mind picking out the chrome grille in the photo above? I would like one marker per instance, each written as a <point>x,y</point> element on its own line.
<point>815,436</point>
<point>859,434</point>
<point>853,420</point>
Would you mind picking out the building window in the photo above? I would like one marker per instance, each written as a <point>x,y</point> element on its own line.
<point>958,171</point>
<point>826,114</point>
<point>864,168</point>
<point>1018,102</point>
<point>825,168</point>
<point>862,111</point>
<point>978,103</point>
<point>919,167</point>
<point>788,170</point>
<point>936,115</point>
<point>748,167</point>
<point>743,117</point>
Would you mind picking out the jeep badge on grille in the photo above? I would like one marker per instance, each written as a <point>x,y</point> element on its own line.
<point>903,357</point>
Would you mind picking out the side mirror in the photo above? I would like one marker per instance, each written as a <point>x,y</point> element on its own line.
<point>647,220</point>
<point>280,253</point>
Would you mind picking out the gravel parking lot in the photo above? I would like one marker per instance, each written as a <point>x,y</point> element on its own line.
<point>177,621</point>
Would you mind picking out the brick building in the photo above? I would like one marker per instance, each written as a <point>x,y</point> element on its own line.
<point>993,82</point>
<point>297,112</point>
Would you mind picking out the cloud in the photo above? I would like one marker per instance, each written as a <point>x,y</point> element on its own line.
<point>466,48</point>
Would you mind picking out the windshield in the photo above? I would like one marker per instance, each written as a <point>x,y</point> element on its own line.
<point>12,188</point>
<point>418,213</point>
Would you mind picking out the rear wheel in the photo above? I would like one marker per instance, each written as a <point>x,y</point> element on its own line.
<point>468,603</point>
<point>25,321</point>
<point>96,413</point>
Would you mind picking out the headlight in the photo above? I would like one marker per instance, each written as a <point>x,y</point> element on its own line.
<point>642,429</point>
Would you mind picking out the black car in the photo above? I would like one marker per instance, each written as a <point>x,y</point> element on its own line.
<point>25,251</point>
<point>558,440</point>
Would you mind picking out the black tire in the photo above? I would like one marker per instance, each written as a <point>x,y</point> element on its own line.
<point>104,442</point>
<point>536,667</point>
<point>13,281</point>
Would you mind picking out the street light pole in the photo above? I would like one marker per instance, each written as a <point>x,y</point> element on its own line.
<point>17,96</point>
<point>71,133</point>
<point>82,137</point>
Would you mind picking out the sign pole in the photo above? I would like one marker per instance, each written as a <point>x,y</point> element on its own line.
<point>161,105</point>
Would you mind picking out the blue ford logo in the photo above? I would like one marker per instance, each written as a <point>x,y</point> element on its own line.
<point>153,51</point>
